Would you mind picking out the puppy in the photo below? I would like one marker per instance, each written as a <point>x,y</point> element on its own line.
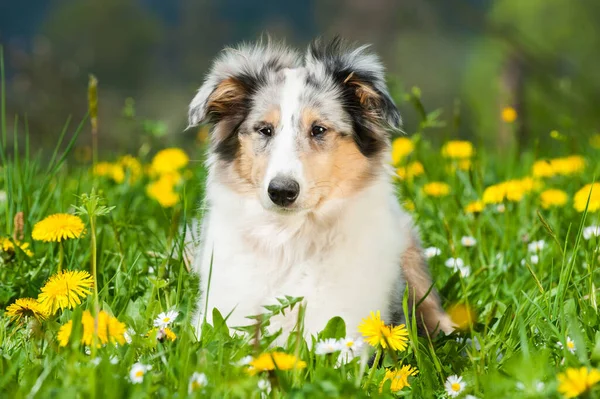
<point>299,196</point>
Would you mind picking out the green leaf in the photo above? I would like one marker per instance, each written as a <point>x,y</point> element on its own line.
<point>595,356</point>
<point>335,328</point>
<point>219,322</point>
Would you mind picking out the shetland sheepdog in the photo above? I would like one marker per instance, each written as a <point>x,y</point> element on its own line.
<point>300,198</point>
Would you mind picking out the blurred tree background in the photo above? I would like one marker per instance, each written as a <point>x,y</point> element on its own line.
<point>539,56</point>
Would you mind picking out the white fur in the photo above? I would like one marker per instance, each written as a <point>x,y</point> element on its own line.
<point>345,261</point>
<point>284,159</point>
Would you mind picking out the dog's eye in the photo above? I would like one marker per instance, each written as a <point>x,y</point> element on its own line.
<point>266,131</point>
<point>317,131</point>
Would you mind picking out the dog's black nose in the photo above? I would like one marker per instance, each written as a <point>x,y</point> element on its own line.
<point>283,191</point>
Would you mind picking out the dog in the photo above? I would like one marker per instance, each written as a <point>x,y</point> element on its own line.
<point>300,198</point>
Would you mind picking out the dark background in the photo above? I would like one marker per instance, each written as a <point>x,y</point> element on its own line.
<point>468,57</point>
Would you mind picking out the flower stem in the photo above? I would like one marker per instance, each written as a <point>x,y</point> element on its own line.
<point>61,256</point>
<point>94,274</point>
<point>374,367</point>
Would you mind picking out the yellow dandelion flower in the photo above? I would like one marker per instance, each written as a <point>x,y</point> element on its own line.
<point>436,189</point>
<point>543,168</point>
<point>462,315</point>
<point>509,114</point>
<point>595,141</point>
<point>569,165</point>
<point>511,190</point>
<point>553,198</point>
<point>377,333</point>
<point>575,381</point>
<point>474,207</point>
<point>169,160</point>
<point>401,148</point>
<point>273,360</point>
<point>64,333</point>
<point>117,330</point>
<point>566,166</point>
<point>399,378</point>
<point>409,205</point>
<point>6,245</point>
<point>171,178</point>
<point>410,171</point>
<point>458,149</point>
<point>529,184</point>
<point>514,190</point>
<point>104,328</point>
<point>132,166</point>
<point>494,194</point>
<point>58,227</point>
<point>114,171</point>
<point>162,333</point>
<point>396,337</point>
<point>26,307</point>
<point>65,290</point>
<point>401,172</point>
<point>117,173</point>
<point>102,169</point>
<point>163,191</point>
<point>580,201</point>
<point>169,334</point>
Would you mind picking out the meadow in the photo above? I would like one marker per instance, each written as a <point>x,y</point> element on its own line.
<point>96,293</point>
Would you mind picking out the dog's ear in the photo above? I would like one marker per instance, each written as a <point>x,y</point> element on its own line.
<point>234,77</point>
<point>360,75</point>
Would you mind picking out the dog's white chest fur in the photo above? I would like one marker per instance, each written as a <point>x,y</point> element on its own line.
<point>344,260</point>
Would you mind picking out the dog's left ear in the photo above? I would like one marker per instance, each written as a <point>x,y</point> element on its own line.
<point>360,75</point>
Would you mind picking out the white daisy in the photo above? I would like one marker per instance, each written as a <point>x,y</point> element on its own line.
<point>137,372</point>
<point>165,318</point>
<point>350,348</point>
<point>432,252</point>
<point>591,231</point>
<point>536,246</point>
<point>197,381</point>
<point>500,208</point>
<point>540,386</point>
<point>244,361</point>
<point>570,345</point>
<point>327,346</point>
<point>349,344</point>
<point>468,241</point>
<point>533,259</point>
<point>520,386</point>
<point>454,263</point>
<point>454,386</point>
<point>465,271</point>
<point>128,334</point>
<point>114,359</point>
<point>264,385</point>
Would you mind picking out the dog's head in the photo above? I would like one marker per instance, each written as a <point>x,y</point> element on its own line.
<point>296,133</point>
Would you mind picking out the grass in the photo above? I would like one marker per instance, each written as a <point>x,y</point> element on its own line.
<point>521,309</point>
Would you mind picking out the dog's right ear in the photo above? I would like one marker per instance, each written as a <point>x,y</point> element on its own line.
<point>234,77</point>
